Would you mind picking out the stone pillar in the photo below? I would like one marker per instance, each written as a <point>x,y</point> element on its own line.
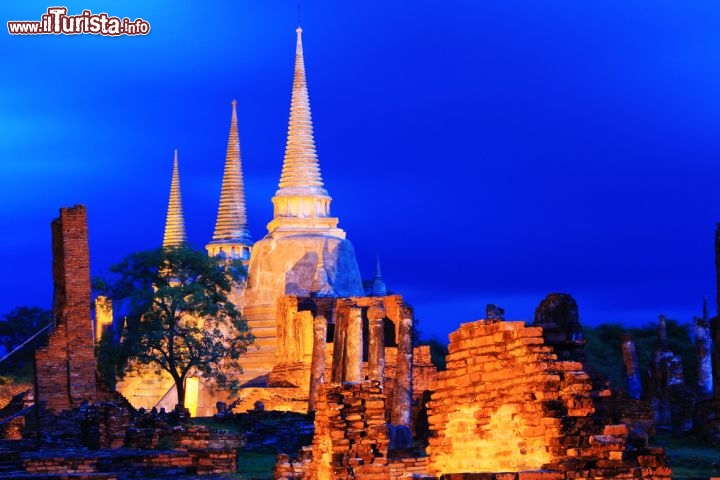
<point>402,395</point>
<point>289,327</point>
<point>103,316</point>
<point>376,344</point>
<point>304,331</point>
<point>338,360</point>
<point>192,391</point>
<point>703,350</point>
<point>317,368</point>
<point>354,346</point>
<point>632,367</point>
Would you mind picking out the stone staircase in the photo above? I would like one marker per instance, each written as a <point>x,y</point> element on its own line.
<point>150,391</point>
<point>145,391</point>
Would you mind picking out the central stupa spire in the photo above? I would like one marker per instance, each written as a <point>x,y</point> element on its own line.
<point>301,170</point>
<point>302,205</point>
<point>304,253</point>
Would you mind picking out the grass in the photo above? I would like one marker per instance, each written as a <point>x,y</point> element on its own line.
<point>251,466</point>
<point>211,423</point>
<point>255,466</point>
<point>689,458</point>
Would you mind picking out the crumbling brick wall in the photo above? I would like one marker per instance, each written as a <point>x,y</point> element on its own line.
<point>507,404</point>
<point>295,344</point>
<point>350,438</point>
<point>65,369</point>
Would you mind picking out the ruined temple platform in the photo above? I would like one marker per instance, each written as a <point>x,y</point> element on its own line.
<point>24,460</point>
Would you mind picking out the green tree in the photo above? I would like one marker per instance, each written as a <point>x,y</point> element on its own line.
<point>438,348</point>
<point>604,349</point>
<point>178,317</point>
<point>15,328</point>
<point>438,352</point>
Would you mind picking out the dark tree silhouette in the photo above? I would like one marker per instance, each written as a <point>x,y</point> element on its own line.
<point>178,317</point>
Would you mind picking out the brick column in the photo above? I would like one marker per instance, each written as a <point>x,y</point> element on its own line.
<point>354,346</point>
<point>65,368</point>
<point>402,395</point>
<point>317,368</point>
<point>376,344</point>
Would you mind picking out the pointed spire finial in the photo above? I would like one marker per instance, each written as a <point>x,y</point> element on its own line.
<point>175,221</point>
<point>231,226</point>
<point>378,287</point>
<point>301,170</point>
<point>301,203</point>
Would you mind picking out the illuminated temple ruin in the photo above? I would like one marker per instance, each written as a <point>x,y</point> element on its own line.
<point>516,401</point>
<point>303,294</point>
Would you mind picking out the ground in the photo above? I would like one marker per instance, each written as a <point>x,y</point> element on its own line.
<point>689,458</point>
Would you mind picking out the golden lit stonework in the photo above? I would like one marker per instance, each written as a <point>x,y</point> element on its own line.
<point>301,204</point>
<point>175,223</point>
<point>232,237</point>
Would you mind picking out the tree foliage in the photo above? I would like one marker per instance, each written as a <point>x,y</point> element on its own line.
<point>16,327</point>
<point>604,349</point>
<point>177,317</point>
<point>438,348</point>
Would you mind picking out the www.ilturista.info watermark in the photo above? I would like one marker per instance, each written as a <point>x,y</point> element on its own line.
<point>57,21</point>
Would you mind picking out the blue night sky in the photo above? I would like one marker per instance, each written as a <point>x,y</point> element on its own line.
<point>490,151</point>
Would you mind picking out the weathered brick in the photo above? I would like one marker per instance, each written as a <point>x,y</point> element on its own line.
<point>65,369</point>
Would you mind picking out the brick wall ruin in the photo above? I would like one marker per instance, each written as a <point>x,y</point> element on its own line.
<point>350,432</point>
<point>351,439</point>
<point>350,340</point>
<point>507,408</point>
<point>79,465</point>
<point>65,369</point>
<point>487,410</point>
<point>507,404</point>
<point>74,407</point>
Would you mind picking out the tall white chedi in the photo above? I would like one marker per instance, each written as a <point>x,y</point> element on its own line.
<point>304,252</point>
